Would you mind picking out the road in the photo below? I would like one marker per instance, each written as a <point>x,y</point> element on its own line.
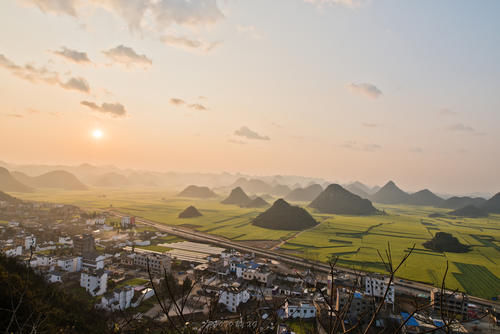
<point>272,254</point>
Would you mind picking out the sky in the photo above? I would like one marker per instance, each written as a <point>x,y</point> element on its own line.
<point>367,90</point>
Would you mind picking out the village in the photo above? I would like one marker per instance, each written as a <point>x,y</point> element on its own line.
<point>122,264</point>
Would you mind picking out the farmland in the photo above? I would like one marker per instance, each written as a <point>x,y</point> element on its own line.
<point>354,240</point>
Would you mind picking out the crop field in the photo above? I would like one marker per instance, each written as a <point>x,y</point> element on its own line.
<point>355,240</point>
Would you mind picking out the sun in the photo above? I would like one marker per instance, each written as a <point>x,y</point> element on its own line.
<point>97,134</point>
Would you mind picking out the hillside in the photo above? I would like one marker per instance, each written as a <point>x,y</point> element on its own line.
<point>190,212</point>
<point>57,179</point>
<point>9,183</point>
<point>283,216</point>
<point>469,211</point>
<point>197,192</point>
<point>493,204</point>
<point>306,194</point>
<point>445,242</point>
<point>7,198</point>
<point>257,202</point>
<point>253,186</point>
<point>390,194</point>
<point>337,200</point>
<point>356,189</point>
<point>112,179</point>
<point>280,190</point>
<point>237,197</point>
<point>460,202</point>
<point>426,198</point>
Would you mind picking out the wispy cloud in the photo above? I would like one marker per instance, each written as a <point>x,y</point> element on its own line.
<point>139,14</point>
<point>35,74</point>
<point>189,44</point>
<point>447,112</point>
<point>460,127</point>
<point>370,125</point>
<point>177,101</point>
<point>365,89</point>
<point>416,150</point>
<point>238,142</point>
<point>355,146</point>
<point>126,56</point>
<point>198,107</point>
<point>249,30</point>
<point>72,55</point>
<point>14,115</point>
<point>250,134</point>
<point>116,110</point>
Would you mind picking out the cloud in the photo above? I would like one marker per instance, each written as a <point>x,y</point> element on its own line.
<point>140,14</point>
<point>79,84</point>
<point>177,101</point>
<point>188,44</point>
<point>249,30</point>
<point>33,74</point>
<point>416,150</point>
<point>116,110</point>
<point>198,107</point>
<point>365,89</point>
<point>14,115</point>
<point>460,127</point>
<point>234,141</point>
<point>249,134</point>
<point>370,125</point>
<point>447,112</point>
<point>355,146</point>
<point>127,56</point>
<point>73,55</point>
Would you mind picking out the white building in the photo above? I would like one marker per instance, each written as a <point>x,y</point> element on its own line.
<point>93,261</point>
<point>66,241</point>
<point>127,221</point>
<point>94,281</point>
<point>54,277</point>
<point>44,261</point>
<point>299,310</point>
<point>13,224</point>
<point>376,287</point>
<point>120,299</point>
<point>233,296</point>
<point>30,241</point>
<point>15,251</point>
<point>70,264</point>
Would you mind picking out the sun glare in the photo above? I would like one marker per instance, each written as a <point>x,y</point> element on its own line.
<point>97,134</point>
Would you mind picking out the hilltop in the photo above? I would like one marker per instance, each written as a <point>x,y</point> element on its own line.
<point>283,216</point>
<point>390,194</point>
<point>445,242</point>
<point>337,200</point>
<point>190,212</point>
<point>197,192</point>
<point>112,179</point>
<point>58,179</point>
<point>257,202</point>
<point>469,211</point>
<point>306,194</point>
<point>493,204</point>
<point>7,198</point>
<point>9,183</point>
<point>460,202</point>
<point>425,197</point>
<point>254,186</point>
<point>237,197</point>
<point>356,189</point>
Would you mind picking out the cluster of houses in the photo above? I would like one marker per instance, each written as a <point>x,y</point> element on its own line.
<point>105,258</point>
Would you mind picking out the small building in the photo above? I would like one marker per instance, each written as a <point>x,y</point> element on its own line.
<point>299,309</point>
<point>377,287</point>
<point>93,261</point>
<point>233,296</point>
<point>83,244</point>
<point>451,303</point>
<point>127,222</point>
<point>119,299</point>
<point>70,264</point>
<point>30,242</point>
<point>94,281</point>
<point>54,277</point>
<point>360,303</point>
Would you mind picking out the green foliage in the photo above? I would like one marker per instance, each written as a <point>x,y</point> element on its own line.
<point>41,305</point>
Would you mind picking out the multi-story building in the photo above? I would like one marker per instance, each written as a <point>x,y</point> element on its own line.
<point>451,303</point>
<point>93,261</point>
<point>359,304</point>
<point>83,244</point>
<point>119,299</point>
<point>158,263</point>
<point>127,222</point>
<point>94,281</point>
<point>299,309</point>
<point>261,275</point>
<point>233,296</point>
<point>70,264</point>
<point>377,287</point>
<point>30,242</point>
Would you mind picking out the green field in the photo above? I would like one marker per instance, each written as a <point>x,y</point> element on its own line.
<point>355,240</point>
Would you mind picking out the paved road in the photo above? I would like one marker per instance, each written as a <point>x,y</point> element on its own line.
<point>272,254</point>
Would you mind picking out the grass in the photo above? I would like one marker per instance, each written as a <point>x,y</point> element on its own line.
<point>132,282</point>
<point>354,239</point>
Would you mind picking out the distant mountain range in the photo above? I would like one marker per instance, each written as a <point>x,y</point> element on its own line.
<point>337,200</point>
<point>306,194</point>
<point>469,211</point>
<point>10,184</point>
<point>7,198</point>
<point>283,216</point>
<point>57,179</point>
<point>197,192</point>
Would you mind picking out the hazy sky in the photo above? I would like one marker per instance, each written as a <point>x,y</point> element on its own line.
<point>342,89</point>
